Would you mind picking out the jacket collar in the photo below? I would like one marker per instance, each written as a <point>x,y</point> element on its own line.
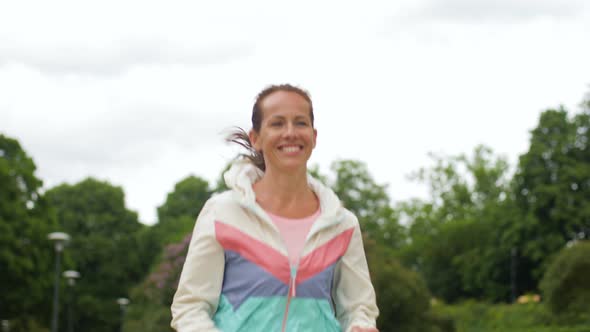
<point>243,174</point>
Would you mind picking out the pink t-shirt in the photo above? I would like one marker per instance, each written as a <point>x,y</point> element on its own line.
<point>294,232</point>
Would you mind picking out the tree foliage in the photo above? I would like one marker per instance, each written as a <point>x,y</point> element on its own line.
<point>103,249</point>
<point>168,241</point>
<point>402,295</point>
<point>456,238</point>
<point>187,199</point>
<point>552,186</point>
<point>154,295</point>
<point>369,201</point>
<point>176,217</point>
<point>26,256</point>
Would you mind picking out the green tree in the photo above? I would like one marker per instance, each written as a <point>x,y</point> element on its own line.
<point>167,242</point>
<point>103,248</point>
<point>403,296</point>
<point>26,256</point>
<point>176,217</point>
<point>187,199</point>
<point>369,201</point>
<point>552,187</point>
<point>456,237</point>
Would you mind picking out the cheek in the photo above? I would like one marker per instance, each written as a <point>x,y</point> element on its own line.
<point>264,141</point>
<point>258,143</point>
<point>312,138</point>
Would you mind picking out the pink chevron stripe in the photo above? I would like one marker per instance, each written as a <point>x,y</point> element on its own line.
<point>324,256</point>
<point>253,250</point>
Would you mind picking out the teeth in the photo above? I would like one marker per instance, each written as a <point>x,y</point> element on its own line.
<point>291,149</point>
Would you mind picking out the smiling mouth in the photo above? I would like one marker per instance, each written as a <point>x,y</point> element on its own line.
<point>291,148</point>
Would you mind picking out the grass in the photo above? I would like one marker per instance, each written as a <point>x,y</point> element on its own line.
<point>531,317</point>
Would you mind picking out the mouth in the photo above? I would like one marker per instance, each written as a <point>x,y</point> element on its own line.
<point>291,148</point>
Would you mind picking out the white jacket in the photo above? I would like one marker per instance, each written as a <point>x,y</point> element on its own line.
<point>237,275</point>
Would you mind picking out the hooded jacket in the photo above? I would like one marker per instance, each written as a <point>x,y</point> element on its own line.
<point>237,275</point>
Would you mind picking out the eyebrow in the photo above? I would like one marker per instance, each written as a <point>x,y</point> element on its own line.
<point>282,117</point>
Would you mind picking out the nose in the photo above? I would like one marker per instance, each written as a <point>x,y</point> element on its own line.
<point>289,130</point>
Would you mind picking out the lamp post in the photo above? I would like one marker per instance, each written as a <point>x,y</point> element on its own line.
<point>59,239</point>
<point>71,276</point>
<point>123,303</point>
<point>513,273</point>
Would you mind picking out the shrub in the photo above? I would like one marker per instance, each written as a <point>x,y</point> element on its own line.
<point>151,300</point>
<point>566,286</point>
<point>402,295</point>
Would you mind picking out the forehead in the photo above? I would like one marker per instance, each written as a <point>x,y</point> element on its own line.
<point>285,103</point>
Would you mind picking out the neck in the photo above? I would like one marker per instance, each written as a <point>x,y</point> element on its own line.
<point>281,192</point>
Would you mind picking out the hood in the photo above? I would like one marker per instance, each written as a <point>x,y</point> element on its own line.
<point>242,174</point>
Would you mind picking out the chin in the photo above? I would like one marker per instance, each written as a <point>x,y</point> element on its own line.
<point>292,167</point>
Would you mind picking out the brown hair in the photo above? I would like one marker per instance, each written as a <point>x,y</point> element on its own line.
<point>239,135</point>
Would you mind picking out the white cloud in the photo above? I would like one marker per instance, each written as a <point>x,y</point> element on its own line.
<point>499,10</point>
<point>102,39</point>
<point>117,57</point>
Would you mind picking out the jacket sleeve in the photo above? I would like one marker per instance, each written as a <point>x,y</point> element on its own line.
<point>353,292</point>
<point>199,288</point>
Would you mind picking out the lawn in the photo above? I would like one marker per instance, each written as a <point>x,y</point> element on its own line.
<point>531,317</point>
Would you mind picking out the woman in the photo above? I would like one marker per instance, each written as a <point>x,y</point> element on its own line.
<point>277,252</point>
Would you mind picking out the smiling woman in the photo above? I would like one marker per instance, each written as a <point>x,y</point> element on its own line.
<point>277,252</point>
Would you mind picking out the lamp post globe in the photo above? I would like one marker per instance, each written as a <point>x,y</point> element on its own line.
<point>59,239</point>
<point>71,276</point>
<point>123,303</point>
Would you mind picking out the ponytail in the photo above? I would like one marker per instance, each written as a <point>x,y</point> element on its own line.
<point>240,137</point>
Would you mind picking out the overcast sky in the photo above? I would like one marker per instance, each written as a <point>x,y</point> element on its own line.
<point>139,94</point>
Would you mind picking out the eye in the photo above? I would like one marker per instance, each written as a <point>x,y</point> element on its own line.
<point>276,124</point>
<point>301,123</point>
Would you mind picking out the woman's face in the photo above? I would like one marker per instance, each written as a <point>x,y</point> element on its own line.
<point>286,137</point>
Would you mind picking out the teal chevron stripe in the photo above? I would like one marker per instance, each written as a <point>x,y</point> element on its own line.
<point>266,314</point>
<point>308,314</point>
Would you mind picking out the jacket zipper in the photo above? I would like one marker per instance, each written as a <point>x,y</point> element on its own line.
<point>291,294</point>
<point>293,268</point>
<point>293,273</point>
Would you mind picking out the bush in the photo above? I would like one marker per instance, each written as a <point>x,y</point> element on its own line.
<point>148,317</point>
<point>151,300</point>
<point>402,295</point>
<point>566,286</point>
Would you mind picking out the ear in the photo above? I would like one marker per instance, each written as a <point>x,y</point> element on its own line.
<point>253,135</point>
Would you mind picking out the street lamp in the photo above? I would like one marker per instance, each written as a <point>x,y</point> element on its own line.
<point>123,303</point>
<point>71,275</point>
<point>513,273</point>
<point>59,238</point>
